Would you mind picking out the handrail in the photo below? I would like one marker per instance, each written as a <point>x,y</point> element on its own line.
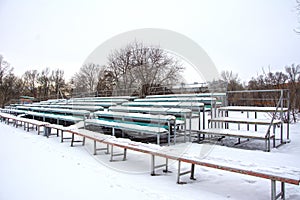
<point>279,103</point>
<point>243,91</point>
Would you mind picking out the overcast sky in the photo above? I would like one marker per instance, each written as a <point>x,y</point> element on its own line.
<point>242,36</point>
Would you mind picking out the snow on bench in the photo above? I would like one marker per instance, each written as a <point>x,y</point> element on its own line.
<point>54,116</point>
<point>16,119</point>
<point>158,131</point>
<point>103,104</point>
<point>237,133</point>
<point>272,170</point>
<point>138,116</point>
<point>178,112</point>
<point>62,129</point>
<point>244,121</point>
<point>153,120</point>
<point>241,134</point>
<point>56,110</point>
<point>252,109</point>
<point>205,100</point>
<point>195,106</point>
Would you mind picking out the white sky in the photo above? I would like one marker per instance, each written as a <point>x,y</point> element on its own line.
<point>238,35</point>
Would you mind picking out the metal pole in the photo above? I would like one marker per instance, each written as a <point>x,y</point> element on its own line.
<point>152,165</point>
<point>273,189</point>
<point>178,172</point>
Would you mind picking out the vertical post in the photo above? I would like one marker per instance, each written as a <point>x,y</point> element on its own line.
<point>125,153</point>
<point>203,117</point>
<point>62,136</point>
<point>226,124</point>
<point>167,163</point>
<point>57,132</point>
<point>175,127</point>
<point>274,126</point>
<point>113,131</point>
<point>273,189</point>
<point>112,153</point>
<point>247,118</point>
<point>72,139</point>
<point>83,141</point>
<point>178,172</point>
<point>95,147</point>
<point>281,115</point>
<point>107,149</point>
<point>152,165</point>
<point>169,134</point>
<point>255,114</point>
<point>185,118</point>
<point>282,190</point>
<point>190,125</point>
<point>288,117</point>
<point>192,172</point>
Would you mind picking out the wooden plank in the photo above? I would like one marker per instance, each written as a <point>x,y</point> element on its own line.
<point>135,146</point>
<point>241,171</point>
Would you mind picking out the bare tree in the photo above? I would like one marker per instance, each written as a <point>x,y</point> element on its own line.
<point>4,69</point>
<point>57,82</point>
<point>146,67</point>
<point>10,85</point>
<point>30,78</point>
<point>44,84</point>
<point>231,80</point>
<point>105,85</point>
<point>85,81</point>
<point>293,74</point>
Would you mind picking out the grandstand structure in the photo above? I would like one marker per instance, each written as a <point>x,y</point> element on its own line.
<point>167,119</point>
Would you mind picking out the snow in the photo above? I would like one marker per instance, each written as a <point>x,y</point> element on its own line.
<point>192,105</point>
<point>158,110</point>
<point>125,126</point>
<point>35,167</point>
<point>135,115</point>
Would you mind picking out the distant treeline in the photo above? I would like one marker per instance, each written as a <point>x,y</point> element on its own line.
<point>134,70</point>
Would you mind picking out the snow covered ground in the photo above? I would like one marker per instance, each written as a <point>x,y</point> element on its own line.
<point>34,167</point>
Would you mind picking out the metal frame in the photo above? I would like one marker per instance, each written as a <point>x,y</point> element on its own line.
<point>153,166</point>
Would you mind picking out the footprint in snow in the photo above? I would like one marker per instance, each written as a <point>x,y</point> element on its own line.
<point>250,181</point>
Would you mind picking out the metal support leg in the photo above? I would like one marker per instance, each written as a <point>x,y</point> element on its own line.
<point>153,166</point>
<point>274,195</point>
<point>83,141</point>
<point>192,177</point>
<point>124,154</point>
<point>192,171</point>
<point>72,140</point>
<point>62,136</point>
<point>178,173</point>
<point>282,190</point>
<point>95,147</point>
<point>273,190</point>
<point>166,170</point>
